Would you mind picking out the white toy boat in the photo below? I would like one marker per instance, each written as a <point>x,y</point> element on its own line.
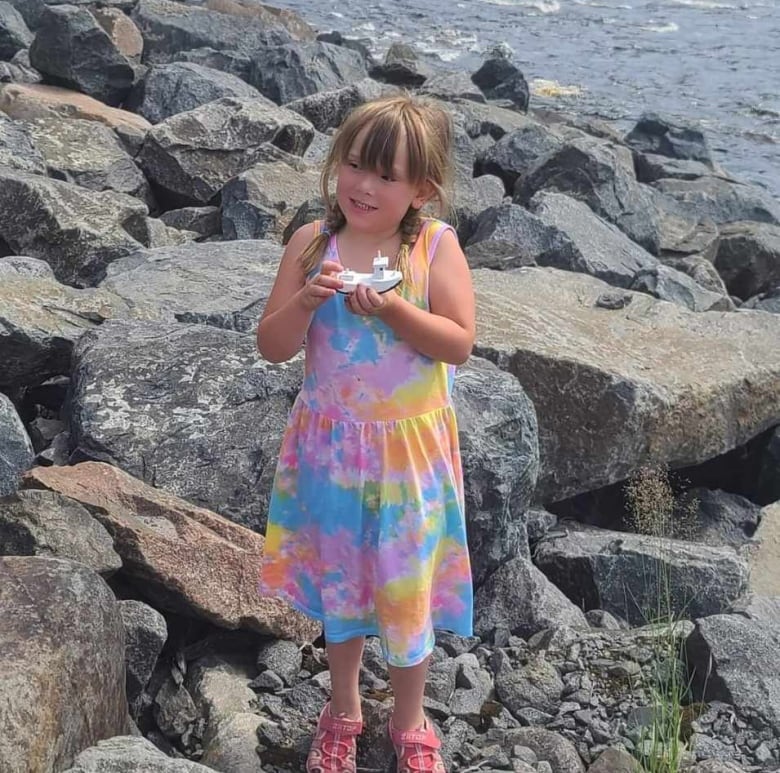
<point>381,280</point>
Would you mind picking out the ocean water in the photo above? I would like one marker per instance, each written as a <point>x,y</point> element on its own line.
<point>715,62</point>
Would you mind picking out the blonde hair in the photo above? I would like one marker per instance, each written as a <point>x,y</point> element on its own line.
<point>425,127</point>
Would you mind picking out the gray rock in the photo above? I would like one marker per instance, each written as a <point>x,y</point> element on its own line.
<point>291,71</point>
<point>44,523</point>
<point>220,689</point>
<point>748,258</point>
<point>224,284</point>
<point>74,51</point>
<point>24,266</point>
<point>609,384</point>
<point>284,658</point>
<point>622,573</point>
<point>14,32</point>
<point>257,200</point>
<point>722,201</point>
<point>129,754</point>
<point>500,79</point>
<point>535,684</point>
<point>204,221</point>
<point>77,231</point>
<point>216,447</point>
<point>668,284</point>
<point>16,451</point>
<point>88,154</point>
<point>169,28</point>
<point>552,748</point>
<point>450,86</point>
<point>590,245</point>
<point>62,682</point>
<point>17,147</point>
<point>40,319</point>
<point>717,517</point>
<point>669,137</point>
<point>518,597</point>
<point>234,746</point>
<point>518,151</point>
<point>730,658</point>
<point>499,450</point>
<point>653,166</point>
<point>146,632</point>
<point>178,154</point>
<point>327,109</point>
<point>169,89</point>
<point>602,176</point>
<point>402,66</point>
<point>509,236</point>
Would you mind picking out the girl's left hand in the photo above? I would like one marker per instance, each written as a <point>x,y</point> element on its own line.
<point>367,302</point>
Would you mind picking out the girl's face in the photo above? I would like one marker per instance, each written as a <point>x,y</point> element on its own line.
<point>372,200</point>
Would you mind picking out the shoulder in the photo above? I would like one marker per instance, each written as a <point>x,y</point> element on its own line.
<point>304,235</point>
<point>438,236</point>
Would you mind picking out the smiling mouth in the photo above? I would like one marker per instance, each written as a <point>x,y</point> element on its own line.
<point>362,207</point>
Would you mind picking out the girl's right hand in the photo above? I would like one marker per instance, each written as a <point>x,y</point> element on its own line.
<point>321,286</point>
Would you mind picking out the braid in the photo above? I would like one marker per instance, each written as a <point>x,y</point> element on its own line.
<point>410,228</point>
<point>314,251</point>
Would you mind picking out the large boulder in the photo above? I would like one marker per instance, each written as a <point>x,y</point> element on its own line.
<point>74,51</point>
<point>225,284</point>
<point>520,599</point>
<point>169,28</point>
<point>642,578</point>
<point>295,70</point>
<point>16,451</point>
<point>41,319</point>
<point>169,89</point>
<point>44,523</point>
<point>596,247</point>
<point>734,659</point>
<point>88,154</point>
<point>602,175</point>
<point>748,258</point>
<point>15,35</point>
<point>500,454</point>
<point>17,147</point>
<point>75,230</point>
<point>185,407</point>
<point>721,200</point>
<point>186,558</point>
<point>62,675</point>
<point>130,754</point>
<point>671,138</point>
<point>190,156</point>
<point>636,382</point>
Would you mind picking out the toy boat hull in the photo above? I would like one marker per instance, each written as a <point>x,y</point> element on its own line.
<point>390,280</point>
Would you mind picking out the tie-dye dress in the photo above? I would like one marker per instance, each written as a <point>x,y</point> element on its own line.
<point>366,529</point>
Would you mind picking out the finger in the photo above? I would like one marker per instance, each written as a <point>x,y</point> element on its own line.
<point>374,298</point>
<point>331,267</point>
<point>323,280</point>
<point>361,300</point>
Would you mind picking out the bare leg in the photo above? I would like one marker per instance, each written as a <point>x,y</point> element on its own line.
<point>408,688</point>
<point>344,660</point>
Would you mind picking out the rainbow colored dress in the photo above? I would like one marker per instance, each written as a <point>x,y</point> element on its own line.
<point>366,528</point>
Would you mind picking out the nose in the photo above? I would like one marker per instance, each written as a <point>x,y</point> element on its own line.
<point>366,183</point>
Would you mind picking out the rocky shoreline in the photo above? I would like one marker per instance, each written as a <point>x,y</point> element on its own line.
<point>154,156</point>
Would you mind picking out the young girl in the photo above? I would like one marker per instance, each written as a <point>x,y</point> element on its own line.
<point>366,529</point>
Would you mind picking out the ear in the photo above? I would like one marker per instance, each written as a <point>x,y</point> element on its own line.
<point>424,194</point>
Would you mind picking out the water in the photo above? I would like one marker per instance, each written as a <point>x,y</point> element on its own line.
<point>716,62</point>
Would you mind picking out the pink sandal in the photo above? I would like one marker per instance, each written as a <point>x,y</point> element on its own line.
<point>334,746</point>
<point>417,751</point>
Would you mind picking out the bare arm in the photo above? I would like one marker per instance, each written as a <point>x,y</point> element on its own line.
<point>445,333</point>
<point>293,301</point>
